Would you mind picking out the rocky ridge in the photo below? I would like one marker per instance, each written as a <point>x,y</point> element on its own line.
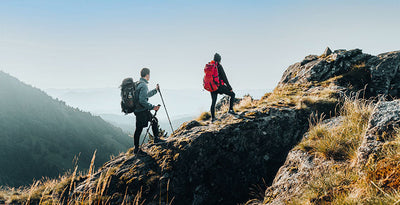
<point>303,170</point>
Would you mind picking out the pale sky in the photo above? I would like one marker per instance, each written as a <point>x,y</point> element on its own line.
<point>95,44</point>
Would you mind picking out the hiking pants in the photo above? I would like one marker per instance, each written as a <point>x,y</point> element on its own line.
<point>223,89</point>
<point>142,120</point>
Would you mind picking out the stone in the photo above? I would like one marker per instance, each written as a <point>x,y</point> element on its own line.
<point>327,52</point>
<point>378,74</point>
<point>191,124</point>
<point>384,119</point>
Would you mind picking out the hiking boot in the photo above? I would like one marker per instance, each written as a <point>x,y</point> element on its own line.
<point>232,112</point>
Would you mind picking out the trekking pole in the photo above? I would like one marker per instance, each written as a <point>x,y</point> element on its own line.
<point>147,132</point>
<point>162,99</point>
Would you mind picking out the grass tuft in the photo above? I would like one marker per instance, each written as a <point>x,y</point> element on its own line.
<point>204,116</point>
<point>340,142</point>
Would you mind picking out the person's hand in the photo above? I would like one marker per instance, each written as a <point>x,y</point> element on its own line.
<point>157,87</point>
<point>156,108</point>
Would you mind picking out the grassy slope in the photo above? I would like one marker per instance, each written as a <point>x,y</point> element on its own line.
<point>343,183</point>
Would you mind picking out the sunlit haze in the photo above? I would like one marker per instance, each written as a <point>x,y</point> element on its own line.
<point>95,44</point>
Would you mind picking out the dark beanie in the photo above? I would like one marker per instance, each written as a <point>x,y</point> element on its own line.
<point>217,58</point>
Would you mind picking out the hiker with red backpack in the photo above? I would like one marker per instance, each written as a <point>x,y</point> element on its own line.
<point>216,82</point>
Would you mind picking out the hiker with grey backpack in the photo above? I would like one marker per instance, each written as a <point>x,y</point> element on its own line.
<point>135,97</point>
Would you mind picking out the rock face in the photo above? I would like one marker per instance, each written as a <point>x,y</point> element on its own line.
<point>385,74</point>
<point>206,163</point>
<point>379,73</point>
<point>295,174</point>
<point>383,122</point>
<point>314,68</point>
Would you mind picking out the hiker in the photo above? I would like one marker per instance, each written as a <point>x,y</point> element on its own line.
<point>143,107</point>
<point>217,84</point>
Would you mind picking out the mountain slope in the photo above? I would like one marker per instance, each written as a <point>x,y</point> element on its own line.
<point>40,136</point>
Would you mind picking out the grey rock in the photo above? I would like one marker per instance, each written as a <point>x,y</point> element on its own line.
<point>322,69</point>
<point>206,164</point>
<point>308,59</point>
<point>294,175</point>
<point>384,119</point>
<point>191,124</point>
<point>385,74</point>
<point>327,51</point>
<point>378,74</point>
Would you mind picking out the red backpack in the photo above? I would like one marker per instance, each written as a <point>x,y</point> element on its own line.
<point>211,80</point>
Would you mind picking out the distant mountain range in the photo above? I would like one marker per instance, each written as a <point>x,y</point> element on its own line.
<point>40,136</point>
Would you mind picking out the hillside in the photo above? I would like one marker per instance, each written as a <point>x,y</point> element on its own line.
<point>41,136</point>
<point>328,133</point>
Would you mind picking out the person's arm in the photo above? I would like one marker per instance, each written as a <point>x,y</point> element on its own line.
<point>151,93</point>
<point>223,77</point>
<point>143,98</point>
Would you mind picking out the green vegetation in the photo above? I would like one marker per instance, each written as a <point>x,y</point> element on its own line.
<point>41,136</point>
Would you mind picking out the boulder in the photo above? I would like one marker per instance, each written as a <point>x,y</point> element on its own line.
<point>327,52</point>
<point>383,121</point>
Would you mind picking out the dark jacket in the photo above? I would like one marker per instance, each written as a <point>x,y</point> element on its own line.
<point>143,94</point>
<point>222,76</point>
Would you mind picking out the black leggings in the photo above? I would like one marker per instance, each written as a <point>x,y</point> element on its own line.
<point>221,90</point>
<point>142,120</point>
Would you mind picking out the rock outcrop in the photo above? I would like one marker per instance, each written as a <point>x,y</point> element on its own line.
<point>382,124</point>
<point>377,74</point>
<point>300,166</point>
<point>205,164</point>
<point>296,173</point>
<point>353,69</point>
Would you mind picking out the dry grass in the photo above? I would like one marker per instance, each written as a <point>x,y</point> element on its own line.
<point>246,103</point>
<point>340,182</point>
<point>330,185</point>
<point>60,191</point>
<point>301,96</point>
<point>340,142</point>
<point>384,167</point>
<point>204,116</point>
<point>288,95</point>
